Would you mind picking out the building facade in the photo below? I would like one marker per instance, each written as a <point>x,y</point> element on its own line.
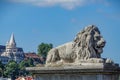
<point>4,59</point>
<point>2,49</point>
<point>11,51</point>
<point>37,59</point>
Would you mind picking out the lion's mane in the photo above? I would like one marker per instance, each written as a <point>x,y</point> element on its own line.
<point>85,43</point>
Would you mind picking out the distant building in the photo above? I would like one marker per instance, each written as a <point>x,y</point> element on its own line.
<point>4,59</point>
<point>11,51</point>
<point>2,49</point>
<point>35,57</point>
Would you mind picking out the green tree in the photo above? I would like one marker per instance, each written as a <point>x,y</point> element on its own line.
<point>1,69</point>
<point>30,62</point>
<point>26,63</point>
<point>23,64</point>
<point>43,49</point>
<point>11,70</point>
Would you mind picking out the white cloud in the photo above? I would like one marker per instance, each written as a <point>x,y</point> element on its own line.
<point>68,4</point>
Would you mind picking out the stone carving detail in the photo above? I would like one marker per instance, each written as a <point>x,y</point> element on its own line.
<point>85,48</point>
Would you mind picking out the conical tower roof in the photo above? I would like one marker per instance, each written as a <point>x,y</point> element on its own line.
<point>12,40</point>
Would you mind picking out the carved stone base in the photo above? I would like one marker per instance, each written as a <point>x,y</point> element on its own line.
<point>93,71</point>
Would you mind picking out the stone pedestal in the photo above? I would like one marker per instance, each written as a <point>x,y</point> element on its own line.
<point>82,72</point>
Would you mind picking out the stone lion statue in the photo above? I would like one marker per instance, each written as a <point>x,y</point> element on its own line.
<point>86,47</point>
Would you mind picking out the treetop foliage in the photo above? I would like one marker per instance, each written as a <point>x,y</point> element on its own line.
<point>43,49</point>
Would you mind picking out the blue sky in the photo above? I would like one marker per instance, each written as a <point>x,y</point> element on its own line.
<point>58,21</point>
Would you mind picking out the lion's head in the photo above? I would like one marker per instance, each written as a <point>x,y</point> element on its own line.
<point>89,43</point>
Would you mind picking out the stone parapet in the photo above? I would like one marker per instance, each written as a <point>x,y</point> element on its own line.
<point>85,72</point>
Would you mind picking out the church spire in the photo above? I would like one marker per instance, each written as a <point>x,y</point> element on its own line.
<point>12,40</point>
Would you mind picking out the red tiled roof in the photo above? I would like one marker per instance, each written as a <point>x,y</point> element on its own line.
<point>28,78</point>
<point>31,55</point>
<point>34,56</point>
<point>24,78</point>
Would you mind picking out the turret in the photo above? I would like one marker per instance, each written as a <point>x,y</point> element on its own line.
<point>11,43</point>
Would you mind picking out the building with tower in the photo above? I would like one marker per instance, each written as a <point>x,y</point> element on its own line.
<point>12,51</point>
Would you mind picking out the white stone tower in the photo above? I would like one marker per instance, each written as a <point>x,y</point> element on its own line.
<point>10,48</point>
<point>13,52</point>
<point>11,43</point>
